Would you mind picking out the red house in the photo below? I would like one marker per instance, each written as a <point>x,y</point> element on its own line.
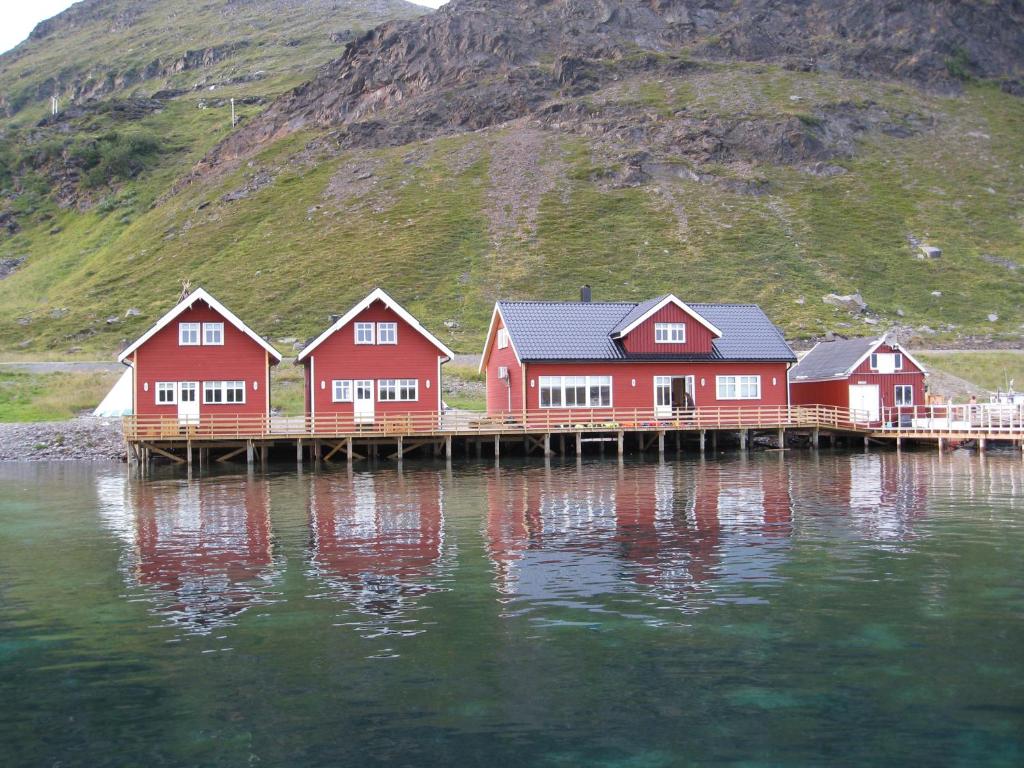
<point>661,355</point>
<point>200,360</point>
<point>373,361</point>
<point>868,376</point>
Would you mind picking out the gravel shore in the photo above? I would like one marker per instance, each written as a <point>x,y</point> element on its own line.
<point>83,439</point>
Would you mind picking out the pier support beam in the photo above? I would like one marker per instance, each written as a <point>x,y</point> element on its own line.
<point>188,455</point>
<point>661,443</point>
<point>298,451</point>
<point>579,444</point>
<point>400,447</point>
<point>743,439</point>
<point>250,453</point>
<point>981,445</point>
<point>497,446</point>
<point>561,444</point>
<point>782,438</point>
<point>621,443</point>
<point>814,438</point>
<point>942,441</point>
<point>479,449</point>
<point>679,442</point>
<point>703,440</point>
<point>714,441</point>
<point>547,444</point>
<point>448,447</point>
<point>899,442</point>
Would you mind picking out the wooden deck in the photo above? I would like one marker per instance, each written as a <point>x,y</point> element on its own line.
<point>324,437</point>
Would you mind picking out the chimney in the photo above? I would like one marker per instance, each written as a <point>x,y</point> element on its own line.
<point>585,294</point>
<point>332,319</point>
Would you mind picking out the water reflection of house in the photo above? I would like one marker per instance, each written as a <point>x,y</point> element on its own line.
<point>377,542</point>
<point>664,528</point>
<point>203,551</point>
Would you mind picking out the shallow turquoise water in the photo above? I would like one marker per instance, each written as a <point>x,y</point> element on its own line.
<point>771,610</point>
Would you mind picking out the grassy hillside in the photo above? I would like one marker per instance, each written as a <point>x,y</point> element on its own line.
<point>535,209</point>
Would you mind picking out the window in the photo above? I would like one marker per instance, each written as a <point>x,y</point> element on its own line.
<point>387,389</point>
<point>165,393</point>
<point>739,387</point>
<point>364,333</point>
<point>575,391</point>
<point>213,333</point>
<point>898,361</point>
<point>364,390</point>
<point>398,389</point>
<point>342,391</point>
<point>188,334</point>
<point>904,394</point>
<point>408,389</point>
<point>387,333</point>
<point>187,391</point>
<point>213,392</point>
<point>216,392</point>
<point>502,338</point>
<point>670,333</point>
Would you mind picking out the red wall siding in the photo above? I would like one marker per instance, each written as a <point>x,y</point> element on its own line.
<point>625,395</point>
<point>339,357</point>
<point>239,359</point>
<point>500,394</point>
<point>835,393</point>
<point>641,339</point>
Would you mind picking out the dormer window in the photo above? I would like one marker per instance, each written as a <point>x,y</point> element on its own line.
<point>364,333</point>
<point>188,334</point>
<point>898,361</point>
<point>502,338</point>
<point>387,333</point>
<point>874,361</point>
<point>670,333</point>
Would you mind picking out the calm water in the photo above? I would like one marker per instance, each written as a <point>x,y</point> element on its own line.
<point>807,610</point>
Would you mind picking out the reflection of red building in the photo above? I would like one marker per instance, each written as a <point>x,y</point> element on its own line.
<point>662,526</point>
<point>205,548</point>
<point>377,539</point>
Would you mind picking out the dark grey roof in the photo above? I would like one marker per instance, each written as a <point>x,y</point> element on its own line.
<point>574,330</point>
<point>831,359</point>
<point>636,313</point>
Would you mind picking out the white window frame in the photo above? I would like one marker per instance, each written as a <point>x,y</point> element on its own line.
<point>897,361</point>
<point>190,329</point>
<point>873,361</point>
<point>560,385</point>
<point>736,384</point>
<point>223,387</point>
<point>408,390</point>
<point>368,327</point>
<point>163,387</point>
<point>896,397</point>
<point>391,390</point>
<point>674,333</point>
<point>217,327</point>
<point>392,331</point>
<point>502,338</point>
<point>342,391</point>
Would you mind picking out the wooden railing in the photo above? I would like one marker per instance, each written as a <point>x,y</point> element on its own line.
<point>976,418</point>
<point>426,423</point>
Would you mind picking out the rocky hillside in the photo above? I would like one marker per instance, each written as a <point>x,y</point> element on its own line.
<point>849,165</point>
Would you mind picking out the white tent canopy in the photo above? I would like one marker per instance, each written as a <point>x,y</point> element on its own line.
<point>118,401</point>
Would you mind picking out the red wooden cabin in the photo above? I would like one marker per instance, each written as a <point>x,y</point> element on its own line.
<point>661,355</point>
<point>873,377</point>
<point>374,361</point>
<point>200,360</point>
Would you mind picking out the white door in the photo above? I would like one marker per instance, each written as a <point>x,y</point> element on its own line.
<point>188,402</point>
<point>363,401</point>
<point>864,402</point>
<point>673,395</point>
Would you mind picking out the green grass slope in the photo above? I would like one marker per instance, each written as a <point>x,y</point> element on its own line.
<point>530,210</point>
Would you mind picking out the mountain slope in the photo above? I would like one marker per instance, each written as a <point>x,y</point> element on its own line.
<point>772,152</point>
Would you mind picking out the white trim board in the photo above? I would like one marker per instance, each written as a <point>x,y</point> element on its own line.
<point>492,339</point>
<point>375,295</point>
<point>198,294</point>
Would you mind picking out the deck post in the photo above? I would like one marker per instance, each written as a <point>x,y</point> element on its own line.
<point>249,452</point>
<point>188,455</point>
<point>714,441</point>
<point>703,440</point>
<point>743,439</point>
<point>348,449</point>
<point>899,442</point>
<point>981,445</point>
<point>316,451</point>
<point>448,447</point>
<point>815,437</point>
<point>400,447</point>
<point>579,444</point>
<point>621,442</point>
<point>867,442</point>
<point>782,438</point>
<point>661,442</point>
<point>941,439</point>
<point>561,444</point>
<point>298,451</point>
<point>264,450</point>
<point>497,446</point>
<point>547,444</point>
